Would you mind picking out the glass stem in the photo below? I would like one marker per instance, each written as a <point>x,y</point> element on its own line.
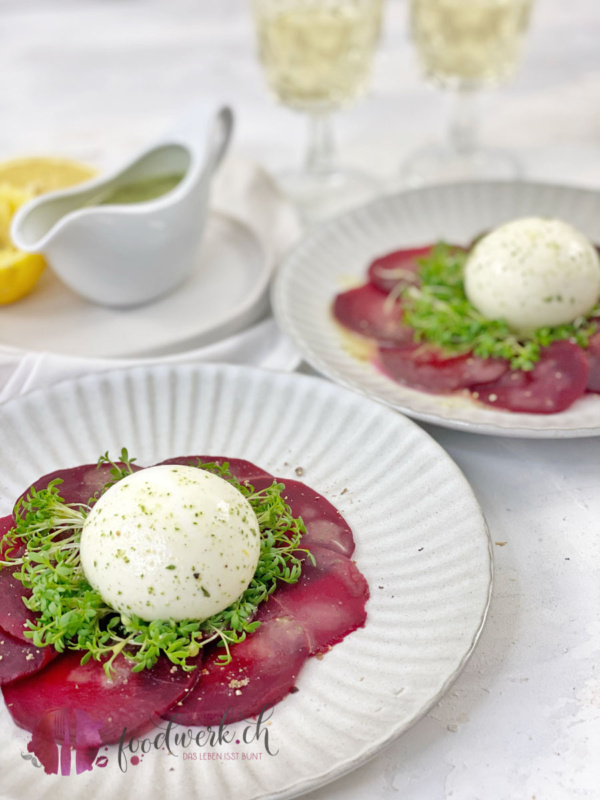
<point>320,154</point>
<point>463,129</point>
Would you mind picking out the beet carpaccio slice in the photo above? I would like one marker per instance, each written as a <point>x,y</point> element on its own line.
<point>556,381</point>
<point>6,524</point>
<point>325,526</point>
<point>18,659</point>
<point>18,656</point>
<point>427,368</point>
<point>14,614</point>
<point>297,621</point>
<point>400,268</point>
<point>593,384</point>
<point>328,601</point>
<point>262,671</point>
<point>367,312</point>
<point>79,484</point>
<point>129,701</point>
<point>244,471</point>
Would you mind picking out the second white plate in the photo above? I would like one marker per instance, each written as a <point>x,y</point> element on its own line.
<point>338,253</point>
<point>226,292</point>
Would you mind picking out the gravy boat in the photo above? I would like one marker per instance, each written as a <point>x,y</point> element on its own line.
<point>126,255</point>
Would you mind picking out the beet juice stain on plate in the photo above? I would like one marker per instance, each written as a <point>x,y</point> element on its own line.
<point>60,733</point>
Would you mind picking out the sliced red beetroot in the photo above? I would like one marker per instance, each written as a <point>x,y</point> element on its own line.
<point>79,484</point>
<point>427,368</point>
<point>325,526</point>
<point>400,267</point>
<point>129,700</point>
<point>557,380</point>
<point>593,353</point>
<point>263,670</point>
<point>13,612</point>
<point>298,620</point>
<point>18,659</point>
<point>364,311</point>
<point>244,471</point>
<point>328,601</point>
<point>6,548</point>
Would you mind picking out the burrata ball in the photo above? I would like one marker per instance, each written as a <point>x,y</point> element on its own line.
<point>533,273</point>
<point>170,542</point>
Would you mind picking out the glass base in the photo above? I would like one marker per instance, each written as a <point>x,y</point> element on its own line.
<point>439,164</point>
<point>318,196</point>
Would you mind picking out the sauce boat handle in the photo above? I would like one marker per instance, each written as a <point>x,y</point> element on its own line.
<point>206,130</point>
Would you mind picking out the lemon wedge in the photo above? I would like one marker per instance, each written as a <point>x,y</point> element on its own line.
<point>21,181</point>
<point>19,273</point>
<point>40,175</point>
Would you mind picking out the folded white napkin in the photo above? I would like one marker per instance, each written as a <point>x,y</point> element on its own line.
<point>243,190</point>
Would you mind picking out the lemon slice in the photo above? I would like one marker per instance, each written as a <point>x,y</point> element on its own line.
<point>19,273</point>
<point>40,175</point>
<point>21,181</point>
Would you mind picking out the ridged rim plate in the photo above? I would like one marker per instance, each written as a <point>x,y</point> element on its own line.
<point>333,256</point>
<point>422,544</point>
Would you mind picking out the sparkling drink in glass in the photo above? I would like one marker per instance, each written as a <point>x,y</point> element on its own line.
<point>317,57</point>
<point>466,46</point>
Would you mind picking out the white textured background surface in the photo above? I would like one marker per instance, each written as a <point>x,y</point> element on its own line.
<point>96,78</point>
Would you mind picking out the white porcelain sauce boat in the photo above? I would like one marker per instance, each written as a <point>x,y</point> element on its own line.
<point>126,255</point>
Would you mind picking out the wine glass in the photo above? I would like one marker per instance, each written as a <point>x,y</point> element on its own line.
<point>465,46</point>
<point>317,56</point>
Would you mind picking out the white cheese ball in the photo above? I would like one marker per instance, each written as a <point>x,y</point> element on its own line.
<point>170,542</point>
<point>533,273</point>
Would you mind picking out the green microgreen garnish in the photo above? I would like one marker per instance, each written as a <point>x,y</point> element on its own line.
<point>439,312</point>
<point>72,615</point>
<point>118,469</point>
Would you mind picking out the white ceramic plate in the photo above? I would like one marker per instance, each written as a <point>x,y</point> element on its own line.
<point>225,293</point>
<point>337,253</point>
<point>421,541</point>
